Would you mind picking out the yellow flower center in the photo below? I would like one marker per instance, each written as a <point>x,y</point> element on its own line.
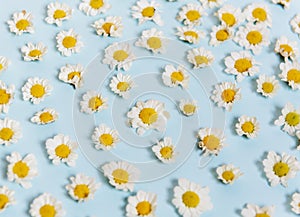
<point>106,27</point>
<point>21,169</point>
<point>228,95</point>
<point>81,191</point>
<point>71,75</point>
<point>3,201</point>
<point>47,211</point>
<point>193,15</point>
<point>228,175</point>
<point>106,139</point>
<point>120,55</point>
<point>190,199</point>
<point>148,12</point>
<point>96,4</point>
<point>248,127</point>
<point>242,65</point>
<point>262,215</point>
<point>166,152</point>
<point>154,42</point>
<point>260,14</point>
<point>191,34</point>
<point>69,42</point>
<point>6,134</point>
<point>201,60</point>
<point>189,108</point>
<point>95,103</point>
<point>62,151</point>
<point>292,118</point>
<point>294,75</point>
<point>37,90</point>
<point>22,25</point>
<point>1,67</point>
<point>177,77</point>
<point>222,35</point>
<point>4,97</point>
<point>211,142</point>
<point>35,53</point>
<point>267,87</point>
<point>229,19</point>
<point>59,14</point>
<point>46,117</point>
<point>143,208</point>
<point>254,37</point>
<point>120,176</point>
<point>123,86</point>
<point>286,48</point>
<point>148,115</point>
<point>281,169</point>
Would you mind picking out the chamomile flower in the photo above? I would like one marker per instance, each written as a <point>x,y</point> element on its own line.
<point>121,85</point>
<point>200,57</point>
<point>228,173</point>
<point>290,73</point>
<point>68,42</point>
<point>6,96</point>
<point>4,63</point>
<point>188,107</point>
<point>45,116</point>
<point>191,14</point>
<point>118,55</point>
<point>230,16</point>
<point>175,76</point>
<point>295,203</point>
<point>142,204</point>
<point>110,26</point>
<point>190,34</point>
<point>280,168</point>
<point>295,23</point>
<point>46,205</point>
<point>61,149</point>
<point>36,89</point>
<point>148,115</point>
<point>82,188</point>
<point>21,23</point>
<point>211,140</point>
<point>147,10</point>
<point>121,175</point>
<point>72,74</point>
<point>21,170</point>
<point>286,48</point>
<point>220,34</point>
<point>191,199</point>
<point>252,210</point>
<point>267,85</point>
<point>258,13</point>
<point>164,150</point>
<point>93,102</point>
<point>211,3</point>
<point>105,138</point>
<point>289,119</point>
<point>58,12</point>
<point>10,131</point>
<point>94,7</point>
<point>247,126</point>
<point>153,40</point>
<point>284,3</point>
<point>6,198</point>
<point>253,37</point>
<point>226,94</point>
<point>34,52</point>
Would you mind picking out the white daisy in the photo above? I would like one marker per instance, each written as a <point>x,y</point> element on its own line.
<point>105,138</point>
<point>165,150</point>
<point>4,63</point>
<point>61,149</point>
<point>258,13</point>
<point>121,85</point>
<point>58,12</point>
<point>72,74</point>
<point>153,40</point>
<point>220,34</point>
<point>21,170</point>
<point>247,126</point>
<point>121,175</point>
<point>110,26</point>
<point>267,85</point>
<point>92,102</point>
<point>10,131</point>
<point>68,42</point>
<point>284,3</point>
<point>34,52</point>
<point>290,73</point>
<point>191,199</point>
<point>226,94</point>
<point>211,3</point>
<point>230,16</point>
<point>142,204</point>
<point>175,76</point>
<point>36,89</point>
<point>252,210</point>
<point>295,23</point>
<point>45,116</point>
<point>279,169</point>
<point>295,204</point>
<point>6,198</point>
<point>82,188</point>
<point>190,34</point>
<point>94,7</point>
<point>286,48</point>
<point>298,136</point>
<point>6,96</point>
<point>146,10</point>
<point>191,14</point>
<point>188,107</point>
<point>211,140</point>
<point>290,119</point>
<point>200,57</point>
<point>228,173</point>
<point>21,23</point>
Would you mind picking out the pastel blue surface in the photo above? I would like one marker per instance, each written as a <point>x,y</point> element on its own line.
<point>252,187</point>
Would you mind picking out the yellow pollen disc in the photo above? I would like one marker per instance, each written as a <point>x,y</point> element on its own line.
<point>201,60</point>
<point>21,169</point>
<point>193,15</point>
<point>59,14</point>
<point>69,42</point>
<point>81,191</point>
<point>267,87</point>
<point>190,199</point>
<point>248,127</point>
<point>120,55</point>
<point>260,14</point>
<point>35,53</point>
<point>120,176</point>
<point>143,208</point>
<point>228,175</point>
<point>222,35</point>
<point>166,152</point>
<point>286,48</point>
<point>37,90</point>
<point>189,108</point>
<point>154,42</point>
<point>46,117</point>
<point>229,19</point>
<point>71,75</point>
<point>3,201</point>
<point>148,12</point>
<point>4,97</point>
<point>96,4</point>
<point>177,77</point>
<point>148,115</point>
<point>6,134</point>
<point>95,103</point>
<point>242,65</point>
<point>191,34</point>
<point>22,25</point>
<point>281,169</point>
<point>62,151</point>
<point>292,118</point>
<point>262,215</point>
<point>47,211</point>
<point>123,86</point>
<point>211,142</point>
<point>254,37</point>
<point>106,27</point>
<point>106,139</point>
<point>294,75</point>
<point>1,67</point>
<point>228,95</point>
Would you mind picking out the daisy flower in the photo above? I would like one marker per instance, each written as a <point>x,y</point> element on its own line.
<point>34,52</point>
<point>298,136</point>
<point>58,12</point>
<point>21,23</point>
<point>258,13</point>
<point>164,150</point>
<point>4,63</point>
<point>148,115</point>
<point>191,199</point>
<point>290,73</point>
<point>36,89</point>
<point>153,40</point>
<point>211,140</point>
<point>226,94</point>
<point>252,210</point>
<point>228,173</point>
<point>211,3</point>
<point>94,7</point>
<point>267,85</point>
<point>188,107</point>
<point>220,34</point>
<point>146,10</point>
<point>92,102</point>
<point>295,204</point>
<point>230,16</point>
<point>105,138</point>
<point>6,96</point>
<point>68,42</point>
<point>295,24</point>
<point>121,175</point>
<point>110,26</point>
<point>82,188</point>
<point>247,126</point>
<point>279,169</point>
<point>286,48</point>
<point>142,204</point>
<point>175,76</point>
<point>121,85</point>
<point>190,34</point>
<point>72,74</point>
<point>6,198</point>
<point>191,14</point>
<point>253,37</point>
<point>290,119</point>
<point>10,131</point>
<point>61,149</point>
<point>284,3</point>
<point>200,57</point>
<point>46,205</point>
<point>45,116</point>
<point>21,170</point>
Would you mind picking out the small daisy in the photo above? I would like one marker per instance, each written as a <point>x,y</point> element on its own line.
<point>121,175</point>
<point>258,13</point>
<point>72,74</point>
<point>121,85</point>
<point>105,138</point>
<point>82,188</point>
<point>6,96</point>
<point>295,23</point>
<point>68,42</point>
<point>298,137</point>
<point>191,14</point>
<point>45,116</point>
<point>290,73</point>
<point>165,150</point>
<point>211,3</point>
<point>228,173</point>
<point>191,199</point>
<point>220,34</point>
<point>4,63</point>
<point>146,10</point>
<point>21,170</point>
<point>253,37</point>
<point>93,102</point>
<point>284,3</point>
<point>94,7</point>
<point>211,140</point>
<point>290,119</point>
<point>6,198</point>
<point>61,149</point>
<point>252,210</point>
<point>267,85</point>
<point>34,52</point>
<point>21,23</point>
<point>58,12</point>
<point>190,34</point>
<point>230,16</point>
<point>286,48</point>
<point>36,89</point>
<point>188,107</point>
<point>10,131</point>
<point>295,204</point>
<point>142,204</point>
<point>279,169</point>
<point>226,94</point>
<point>200,57</point>
<point>247,126</point>
<point>110,26</point>
<point>152,40</point>
<point>46,205</point>
<point>173,76</point>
